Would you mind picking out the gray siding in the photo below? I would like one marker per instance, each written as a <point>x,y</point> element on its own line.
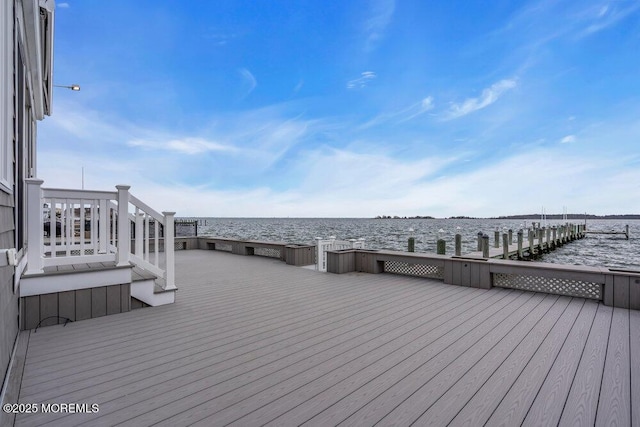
<point>82,304</point>
<point>8,300</point>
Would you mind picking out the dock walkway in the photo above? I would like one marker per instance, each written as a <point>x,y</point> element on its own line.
<point>253,341</point>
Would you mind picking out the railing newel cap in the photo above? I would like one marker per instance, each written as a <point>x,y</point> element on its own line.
<point>34,181</point>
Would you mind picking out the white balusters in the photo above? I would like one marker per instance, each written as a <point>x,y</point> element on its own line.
<point>35,229</point>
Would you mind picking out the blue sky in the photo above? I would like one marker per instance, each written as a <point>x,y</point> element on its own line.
<point>349,108</point>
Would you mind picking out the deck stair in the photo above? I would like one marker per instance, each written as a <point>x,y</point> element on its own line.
<point>90,252</point>
<point>149,289</point>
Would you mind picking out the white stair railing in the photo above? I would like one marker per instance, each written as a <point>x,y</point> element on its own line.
<point>148,248</point>
<point>67,227</point>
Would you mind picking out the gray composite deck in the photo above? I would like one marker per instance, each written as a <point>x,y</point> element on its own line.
<point>253,341</point>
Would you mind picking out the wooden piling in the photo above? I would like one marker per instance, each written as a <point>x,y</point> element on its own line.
<point>441,247</point>
<point>548,237</point>
<point>412,244</point>
<point>510,236</point>
<point>479,241</point>
<point>505,246</point>
<point>520,234</point>
<point>496,243</point>
<point>485,246</point>
<point>458,244</point>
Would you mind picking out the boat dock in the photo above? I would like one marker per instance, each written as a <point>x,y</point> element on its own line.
<point>625,232</point>
<point>251,341</point>
<point>539,241</point>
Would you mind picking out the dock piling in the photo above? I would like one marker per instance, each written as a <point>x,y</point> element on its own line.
<point>458,245</point>
<point>485,246</point>
<point>441,247</point>
<point>520,234</point>
<point>505,246</point>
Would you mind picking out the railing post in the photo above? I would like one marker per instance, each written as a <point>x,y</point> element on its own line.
<point>124,235</point>
<point>139,235</point>
<point>169,248</point>
<point>318,253</point>
<point>35,229</point>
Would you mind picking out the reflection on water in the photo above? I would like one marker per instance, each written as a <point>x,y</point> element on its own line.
<point>593,250</point>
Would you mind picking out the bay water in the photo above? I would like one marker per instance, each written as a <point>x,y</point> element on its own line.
<point>612,251</point>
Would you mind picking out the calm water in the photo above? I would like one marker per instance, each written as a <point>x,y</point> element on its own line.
<point>594,250</point>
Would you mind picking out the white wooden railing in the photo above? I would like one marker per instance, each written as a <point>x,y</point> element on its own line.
<point>331,244</point>
<point>66,227</point>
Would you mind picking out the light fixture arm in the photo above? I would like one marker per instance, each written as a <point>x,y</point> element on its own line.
<point>73,87</point>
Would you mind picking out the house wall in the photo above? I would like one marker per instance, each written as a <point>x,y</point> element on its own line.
<point>8,299</point>
<point>25,96</point>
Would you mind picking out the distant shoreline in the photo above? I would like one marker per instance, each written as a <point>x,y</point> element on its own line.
<point>528,216</point>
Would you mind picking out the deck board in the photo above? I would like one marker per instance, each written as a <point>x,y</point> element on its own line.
<point>634,341</point>
<point>522,373</point>
<point>614,406</point>
<point>582,402</point>
<point>540,391</point>
<point>253,341</point>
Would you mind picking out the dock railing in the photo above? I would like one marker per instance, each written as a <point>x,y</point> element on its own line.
<point>66,227</point>
<point>619,288</point>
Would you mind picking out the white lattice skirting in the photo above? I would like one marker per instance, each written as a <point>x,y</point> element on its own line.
<point>268,252</point>
<point>574,288</point>
<point>419,270</point>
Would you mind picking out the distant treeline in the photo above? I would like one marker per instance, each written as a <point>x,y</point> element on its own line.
<point>403,217</point>
<point>529,216</point>
<point>570,216</point>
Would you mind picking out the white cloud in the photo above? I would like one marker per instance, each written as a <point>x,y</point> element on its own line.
<point>361,81</point>
<point>183,145</point>
<point>377,22</point>
<point>427,103</point>
<point>63,5</point>
<point>249,81</point>
<point>568,139</point>
<point>610,14</point>
<point>404,115</point>
<point>488,97</point>
<point>343,183</point>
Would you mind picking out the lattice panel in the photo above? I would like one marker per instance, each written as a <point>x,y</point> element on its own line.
<point>179,246</point>
<point>227,247</point>
<point>268,252</point>
<point>419,270</point>
<point>574,288</point>
<point>77,252</point>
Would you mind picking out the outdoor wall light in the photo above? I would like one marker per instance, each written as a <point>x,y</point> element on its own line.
<point>72,87</point>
